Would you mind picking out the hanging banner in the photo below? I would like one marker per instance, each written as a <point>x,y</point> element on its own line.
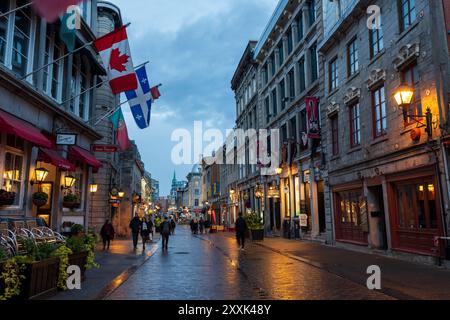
<point>312,109</point>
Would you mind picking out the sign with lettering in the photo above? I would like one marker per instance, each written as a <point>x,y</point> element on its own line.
<point>313,123</point>
<point>303,220</point>
<point>106,148</point>
<point>66,139</point>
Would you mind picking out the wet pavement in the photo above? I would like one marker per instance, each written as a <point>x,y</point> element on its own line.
<point>212,268</point>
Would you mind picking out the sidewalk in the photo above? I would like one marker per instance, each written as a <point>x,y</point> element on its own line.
<point>116,266</point>
<point>400,279</point>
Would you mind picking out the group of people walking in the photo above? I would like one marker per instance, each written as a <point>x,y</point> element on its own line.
<point>144,228</point>
<point>200,226</point>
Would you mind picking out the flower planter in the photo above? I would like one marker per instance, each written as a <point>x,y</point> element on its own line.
<point>39,203</point>
<point>79,259</point>
<point>6,202</point>
<point>71,205</point>
<point>257,235</point>
<point>41,278</point>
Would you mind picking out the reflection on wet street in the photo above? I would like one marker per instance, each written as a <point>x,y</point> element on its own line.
<point>212,268</point>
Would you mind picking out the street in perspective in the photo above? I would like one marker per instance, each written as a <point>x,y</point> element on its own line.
<point>195,151</point>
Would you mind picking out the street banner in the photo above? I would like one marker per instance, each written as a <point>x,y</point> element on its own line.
<point>50,10</point>
<point>115,53</point>
<point>312,109</point>
<point>140,100</point>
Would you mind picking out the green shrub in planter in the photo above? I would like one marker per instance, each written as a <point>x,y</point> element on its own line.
<point>40,199</point>
<point>254,221</point>
<point>77,229</point>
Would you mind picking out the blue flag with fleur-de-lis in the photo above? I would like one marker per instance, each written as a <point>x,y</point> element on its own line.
<point>140,100</point>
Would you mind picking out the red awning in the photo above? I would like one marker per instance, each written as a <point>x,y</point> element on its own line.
<point>13,125</point>
<point>51,156</point>
<point>85,156</point>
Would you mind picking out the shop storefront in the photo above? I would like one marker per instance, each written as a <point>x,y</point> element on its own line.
<point>415,211</point>
<point>351,220</point>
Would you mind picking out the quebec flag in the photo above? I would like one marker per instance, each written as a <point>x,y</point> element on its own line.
<point>140,100</point>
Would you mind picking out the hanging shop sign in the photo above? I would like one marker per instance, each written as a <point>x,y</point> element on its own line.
<point>66,139</point>
<point>273,193</point>
<point>312,109</point>
<point>106,148</point>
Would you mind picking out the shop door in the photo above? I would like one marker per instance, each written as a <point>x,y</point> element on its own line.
<point>278,214</point>
<point>272,216</point>
<point>45,212</point>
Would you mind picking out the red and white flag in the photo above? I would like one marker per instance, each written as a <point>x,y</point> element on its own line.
<point>50,10</point>
<point>115,52</point>
<point>155,93</point>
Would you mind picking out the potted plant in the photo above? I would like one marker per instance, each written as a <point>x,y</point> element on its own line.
<point>71,201</point>
<point>77,230</point>
<point>40,199</point>
<point>7,198</point>
<point>255,225</point>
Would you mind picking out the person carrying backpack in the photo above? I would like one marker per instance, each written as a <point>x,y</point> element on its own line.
<point>165,233</point>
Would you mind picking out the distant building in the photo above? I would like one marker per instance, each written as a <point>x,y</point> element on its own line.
<point>176,185</point>
<point>155,190</point>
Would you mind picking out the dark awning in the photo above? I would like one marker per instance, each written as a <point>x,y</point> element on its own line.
<point>51,156</point>
<point>13,125</point>
<point>85,156</point>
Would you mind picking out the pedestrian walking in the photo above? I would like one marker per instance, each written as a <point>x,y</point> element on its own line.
<point>165,233</point>
<point>145,232</point>
<point>151,226</point>
<point>207,226</point>
<point>192,226</point>
<point>135,226</point>
<point>241,227</point>
<point>195,226</point>
<point>173,225</point>
<point>201,225</point>
<point>107,233</point>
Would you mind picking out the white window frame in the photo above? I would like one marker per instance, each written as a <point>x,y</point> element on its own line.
<point>10,39</point>
<point>4,148</point>
<point>50,68</point>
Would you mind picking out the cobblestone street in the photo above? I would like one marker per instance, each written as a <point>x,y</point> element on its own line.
<point>196,268</point>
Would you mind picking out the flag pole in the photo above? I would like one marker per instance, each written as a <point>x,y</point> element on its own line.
<point>112,111</point>
<point>96,86</point>
<point>54,61</point>
<point>16,9</point>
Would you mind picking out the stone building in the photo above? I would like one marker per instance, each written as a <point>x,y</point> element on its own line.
<point>131,173</point>
<point>39,101</point>
<point>288,79</point>
<point>244,85</point>
<point>386,162</point>
<point>108,19</point>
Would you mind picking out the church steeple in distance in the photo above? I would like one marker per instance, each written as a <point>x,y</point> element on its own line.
<point>174,180</point>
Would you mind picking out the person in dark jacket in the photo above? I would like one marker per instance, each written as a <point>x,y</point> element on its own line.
<point>165,233</point>
<point>135,226</point>
<point>107,233</point>
<point>201,225</point>
<point>241,227</point>
<point>145,232</point>
<point>173,225</point>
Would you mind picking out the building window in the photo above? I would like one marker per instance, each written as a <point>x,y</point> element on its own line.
<point>273,66</point>
<point>283,94</point>
<point>352,57</point>
<point>293,128</point>
<point>376,40</point>
<point>83,110</point>
<point>274,102</point>
<point>21,39</point>
<point>52,82</point>
<point>379,110</point>
<point>312,12</point>
<point>407,13</point>
<point>302,75</point>
<point>13,167</point>
<point>266,74</point>
<point>334,121</point>
<point>290,41</point>
<point>280,53</point>
<point>355,126</point>
<point>267,105</point>
<point>333,74</point>
<point>291,76</point>
<point>314,67</point>
<point>300,27</point>
<point>196,203</point>
<point>4,21</point>
<point>417,205</point>
<point>74,87</point>
<point>410,77</point>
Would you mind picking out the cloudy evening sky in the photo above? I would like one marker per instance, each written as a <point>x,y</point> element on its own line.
<point>193,47</point>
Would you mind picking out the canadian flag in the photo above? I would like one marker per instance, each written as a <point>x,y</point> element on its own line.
<point>115,52</point>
